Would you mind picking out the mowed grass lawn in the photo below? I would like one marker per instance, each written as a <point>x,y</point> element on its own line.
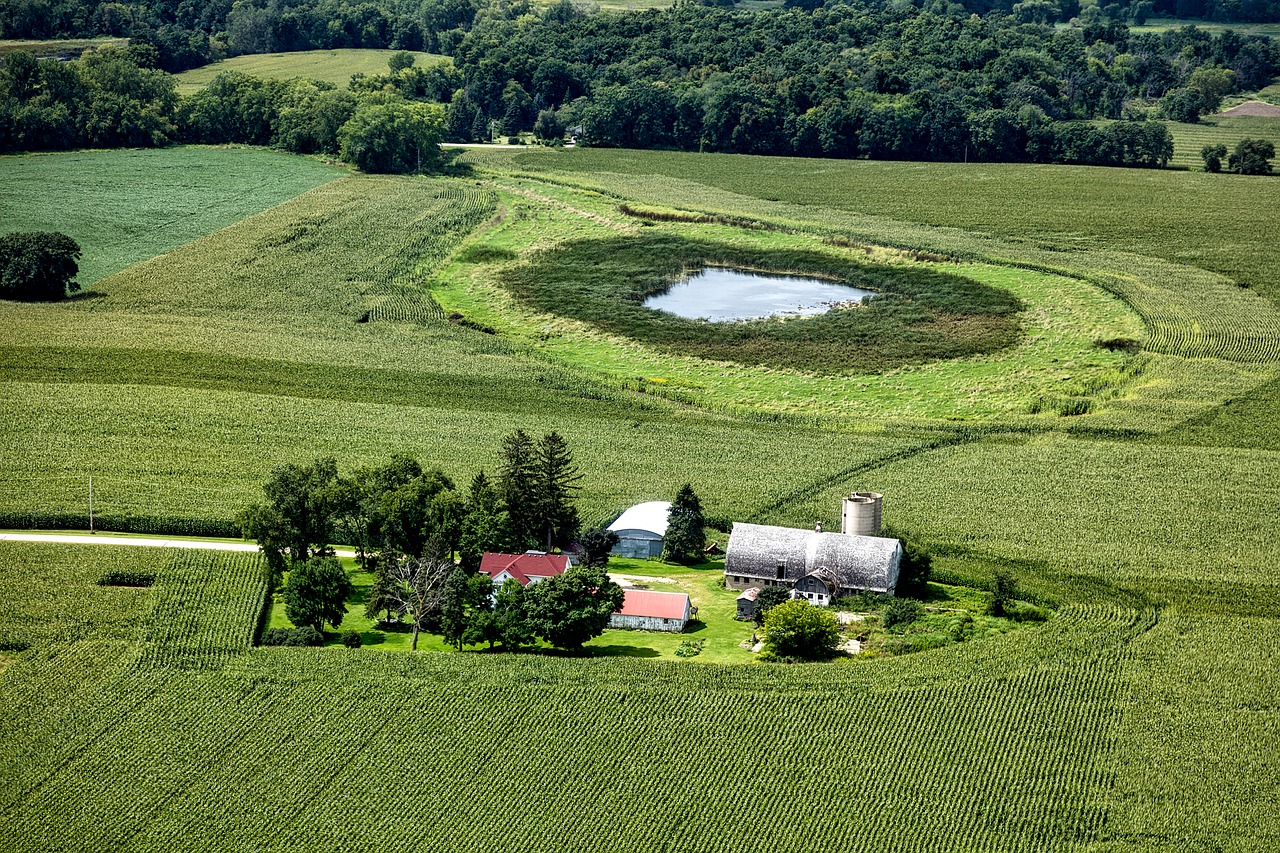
<point>125,206</point>
<point>331,66</point>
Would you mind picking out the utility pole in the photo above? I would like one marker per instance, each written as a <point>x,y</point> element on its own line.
<point>91,503</point>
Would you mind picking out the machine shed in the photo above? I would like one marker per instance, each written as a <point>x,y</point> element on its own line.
<point>640,530</point>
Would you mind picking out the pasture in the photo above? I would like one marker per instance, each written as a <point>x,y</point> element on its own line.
<point>330,66</point>
<point>1133,491</point>
<point>126,206</point>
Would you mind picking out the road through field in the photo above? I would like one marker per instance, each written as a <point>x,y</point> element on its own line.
<point>96,539</point>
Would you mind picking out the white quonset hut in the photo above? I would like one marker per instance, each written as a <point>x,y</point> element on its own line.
<point>818,566</point>
<point>640,530</point>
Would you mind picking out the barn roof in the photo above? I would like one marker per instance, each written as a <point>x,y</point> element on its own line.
<point>658,605</point>
<point>851,562</point>
<point>524,567</point>
<point>650,517</point>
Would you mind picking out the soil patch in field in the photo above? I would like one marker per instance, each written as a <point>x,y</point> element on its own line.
<point>1254,108</point>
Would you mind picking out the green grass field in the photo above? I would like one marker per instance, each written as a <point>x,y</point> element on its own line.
<point>57,47</point>
<point>1159,25</point>
<point>123,207</point>
<point>331,66</point>
<point>1140,717</point>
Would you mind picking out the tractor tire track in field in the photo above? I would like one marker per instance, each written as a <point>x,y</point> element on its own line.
<point>795,496</point>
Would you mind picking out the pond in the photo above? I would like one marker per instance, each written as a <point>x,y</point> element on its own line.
<point>722,294</point>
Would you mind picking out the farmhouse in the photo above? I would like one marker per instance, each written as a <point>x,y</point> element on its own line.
<point>818,566</point>
<point>528,568</point>
<point>652,611</point>
<point>640,530</point>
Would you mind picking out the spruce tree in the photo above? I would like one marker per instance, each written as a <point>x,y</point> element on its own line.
<point>517,487</point>
<point>557,485</point>
<point>686,539</point>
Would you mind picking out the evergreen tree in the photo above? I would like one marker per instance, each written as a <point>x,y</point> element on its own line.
<point>516,486</point>
<point>484,524</point>
<point>596,544</point>
<point>686,538</point>
<point>557,484</point>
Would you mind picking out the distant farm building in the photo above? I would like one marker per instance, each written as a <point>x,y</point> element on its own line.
<point>747,603</point>
<point>818,566</point>
<point>528,568</point>
<point>640,530</point>
<point>646,610</point>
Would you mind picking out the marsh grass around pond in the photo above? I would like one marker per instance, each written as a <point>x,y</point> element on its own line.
<point>918,313</point>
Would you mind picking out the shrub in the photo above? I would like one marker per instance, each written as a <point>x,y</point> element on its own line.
<point>305,636</point>
<point>1004,588</point>
<point>901,611</point>
<point>351,639</point>
<point>689,648</point>
<point>796,630</point>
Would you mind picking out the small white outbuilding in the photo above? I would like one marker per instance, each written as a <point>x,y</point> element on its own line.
<point>640,530</point>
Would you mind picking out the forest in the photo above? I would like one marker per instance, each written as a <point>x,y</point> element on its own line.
<point>847,80</point>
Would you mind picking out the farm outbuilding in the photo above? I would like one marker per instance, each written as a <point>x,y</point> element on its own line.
<point>646,610</point>
<point>818,566</point>
<point>640,530</point>
<point>747,603</point>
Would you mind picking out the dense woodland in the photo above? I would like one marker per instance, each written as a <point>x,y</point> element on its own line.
<point>840,80</point>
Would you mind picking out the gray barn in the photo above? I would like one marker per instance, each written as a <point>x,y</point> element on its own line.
<point>818,566</point>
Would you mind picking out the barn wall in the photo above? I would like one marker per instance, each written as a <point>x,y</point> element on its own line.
<point>646,623</point>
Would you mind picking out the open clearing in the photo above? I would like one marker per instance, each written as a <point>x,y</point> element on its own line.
<point>331,66</point>
<point>1134,488</point>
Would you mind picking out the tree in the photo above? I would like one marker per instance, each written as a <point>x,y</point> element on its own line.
<point>382,594</point>
<point>685,539</point>
<point>317,592</point>
<point>768,598</point>
<point>400,60</point>
<point>516,476</point>
<point>1213,155</point>
<point>417,589</point>
<point>394,137</point>
<point>914,568</point>
<point>38,266</point>
<point>569,609</point>
<point>511,616</point>
<point>418,512</point>
<point>1004,588</point>
<point>453,608</point>
<point>483,528</point>
<point>1252,157</point>
<point>556,484</point>
<point>296,522</point>
<point>797,629</point>
<point>597,543</point>
<point>548,127</point>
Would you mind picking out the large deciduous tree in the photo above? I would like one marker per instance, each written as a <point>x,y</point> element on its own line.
<point>317,592</point>
<point>1252,157</point>
<point>393,137</point>
<point>296,522</point>
<point>569,609</point>
<point>38,266</point>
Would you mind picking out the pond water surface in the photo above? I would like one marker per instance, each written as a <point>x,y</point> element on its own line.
<point>724,294</point>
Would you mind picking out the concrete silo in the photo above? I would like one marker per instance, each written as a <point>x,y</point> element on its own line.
<point>860,514</point>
